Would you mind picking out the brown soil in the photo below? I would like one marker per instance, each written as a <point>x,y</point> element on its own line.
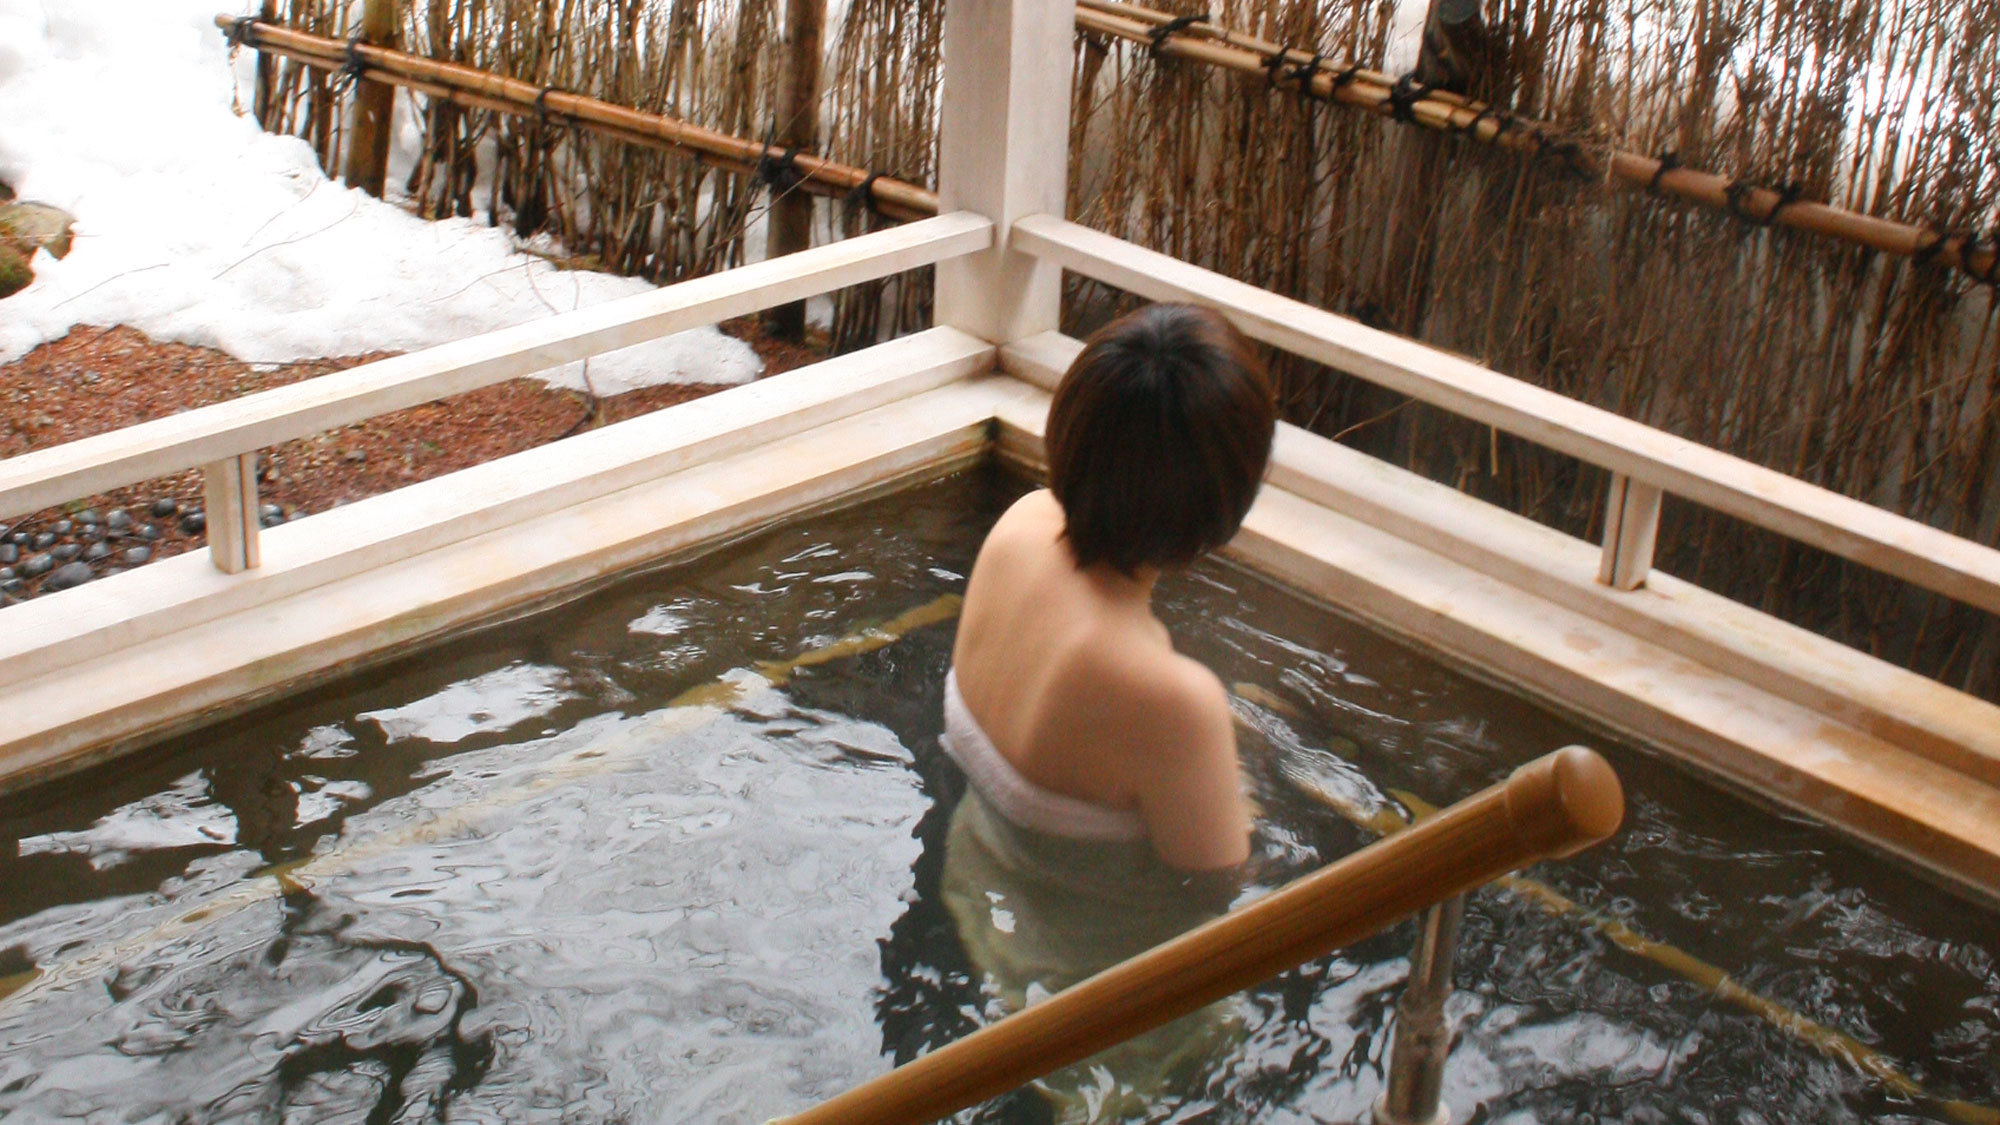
<point>99,379</point>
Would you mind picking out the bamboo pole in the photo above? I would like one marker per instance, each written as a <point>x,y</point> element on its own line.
<point>1554,806</point>
<point>797,129</point>
<point>467,86</point>
<point>374,104</point>
<point>1444,112</point>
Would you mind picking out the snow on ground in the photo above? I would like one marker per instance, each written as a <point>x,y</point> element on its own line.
<point>195,226</point>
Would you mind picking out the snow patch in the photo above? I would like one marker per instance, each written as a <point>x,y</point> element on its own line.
<point>195,226</point>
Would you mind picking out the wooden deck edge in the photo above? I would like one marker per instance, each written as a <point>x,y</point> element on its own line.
<point>1913,712</point>
<point>136,695</point>
<point>68,628</point>
<point>1426,593</point>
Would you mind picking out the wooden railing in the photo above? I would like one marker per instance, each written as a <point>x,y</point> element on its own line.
<point>1554,806</point>
<point>223,438</point>
<point>1644,462</point>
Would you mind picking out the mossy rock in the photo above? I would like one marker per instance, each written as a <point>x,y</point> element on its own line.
<point>14,272</point>
<point>28,227</point>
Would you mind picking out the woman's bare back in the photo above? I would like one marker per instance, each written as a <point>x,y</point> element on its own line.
<point>1077,685</point>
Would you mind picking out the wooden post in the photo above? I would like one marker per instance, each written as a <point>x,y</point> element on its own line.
<point>1003,151</point>
<point>798,127</point>
<point>267,70</point>
<point>230,496</point>
<point>1631,524</point>
<point>374,105</point>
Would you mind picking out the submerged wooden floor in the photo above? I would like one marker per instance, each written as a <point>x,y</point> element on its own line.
<point>1900,762</point>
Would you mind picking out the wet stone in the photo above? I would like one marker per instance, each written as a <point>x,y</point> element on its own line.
<point>147,532</point>
<point>68,575</point>
<point>9,554</point>
<point>89,515</point>
<point>270,515</point>
<point>4,529</point>
<point>90,532</point>
<point>97,551</point>
<point>136,556</point>
<point>194,523</point>
<point>117,520</point>
<point>37,565</point>
<point>20,538</point>
<point>6,574</point>
<point>45,540</point>
<point>165,506</point>
<point>61,527</point>
<point>64,552</point>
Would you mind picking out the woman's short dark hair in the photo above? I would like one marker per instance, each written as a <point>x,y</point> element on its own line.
<point>1158,438</point>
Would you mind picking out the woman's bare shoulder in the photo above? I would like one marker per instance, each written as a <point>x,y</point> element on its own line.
<point>1157,695</point>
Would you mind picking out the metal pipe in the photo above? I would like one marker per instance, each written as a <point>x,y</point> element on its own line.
<point>1423,1038</point>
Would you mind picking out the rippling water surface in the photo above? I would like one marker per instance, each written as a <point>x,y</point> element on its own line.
<point>634,860</point>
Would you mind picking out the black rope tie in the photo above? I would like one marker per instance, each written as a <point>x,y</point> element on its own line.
<point>863,195</point>
<point>1502,121</point>
<point>1737,194</point>
<point>1303,74</point>
<point>1173,27</point>
<point>1404,96</point>
<point>355,67</point>
<point>542,105</point>
<point>779,172</point>
<point>1669,160</point>
<point>239,31</point>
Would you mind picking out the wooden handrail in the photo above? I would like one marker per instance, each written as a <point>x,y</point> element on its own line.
<point>1895,545</point>
<point>33,481</point>
<point>1554,806</point>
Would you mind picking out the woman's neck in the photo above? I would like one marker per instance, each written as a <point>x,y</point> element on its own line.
<point>1135,588</point>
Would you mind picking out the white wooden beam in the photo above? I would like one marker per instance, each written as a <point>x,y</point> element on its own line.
<point>49,633</point>
<point>136,694</point>
<point>33,481</point>
<point>1892,544</point>
<point>1003,151</point>
<point>1631,527</point>
<point>229,488</point>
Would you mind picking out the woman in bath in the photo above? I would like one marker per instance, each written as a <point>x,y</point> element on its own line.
<point>1104,812</point>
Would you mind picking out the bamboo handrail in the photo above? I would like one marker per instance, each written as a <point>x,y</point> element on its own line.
<point>480,89</point>
<point>1444,112</point>
<point>1554,806</point>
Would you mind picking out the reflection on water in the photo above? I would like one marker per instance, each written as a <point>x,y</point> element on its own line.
<point>506,881</point>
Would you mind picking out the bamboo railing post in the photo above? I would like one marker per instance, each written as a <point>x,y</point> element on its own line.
<point>374,104</point>
<point>1423,1038</point>
<point>1003,151</point>
<point>1554,806</point>
<point>797,129</point>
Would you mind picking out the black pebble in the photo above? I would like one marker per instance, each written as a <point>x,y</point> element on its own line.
<point>9,554</point>
<point>10,585</point>
<point>147,532</point>
<point>136,556</point>
<point>64,552</point>
<point>6,574</point>
<point>117,520</point>
<point>165,506</point>
<point>89,515</point>
<point>45,540</point>
<point>193,523</point>
<point>90,533</point>
<point>37,565</point>
<point>97,551</point>
<point>66,576</point>
<point>21,538</point>
<point>61,527</point>
<point>111,570</point>
<point>4,529</point>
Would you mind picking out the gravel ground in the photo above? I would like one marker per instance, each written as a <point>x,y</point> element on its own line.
<point>99,379</point>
